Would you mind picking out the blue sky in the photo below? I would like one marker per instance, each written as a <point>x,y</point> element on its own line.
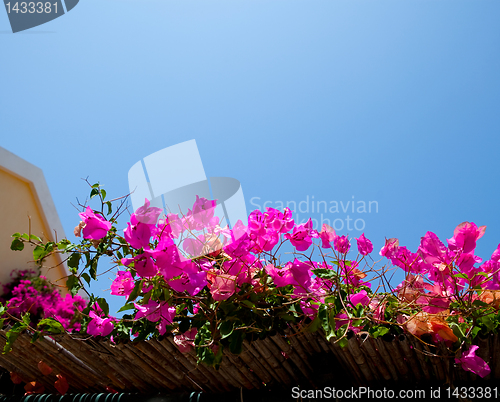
<point>389,101</point>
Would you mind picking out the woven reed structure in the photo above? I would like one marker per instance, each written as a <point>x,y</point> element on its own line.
<point>278,361</point>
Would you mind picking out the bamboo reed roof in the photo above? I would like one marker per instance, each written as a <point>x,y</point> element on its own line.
<point>91,365</point>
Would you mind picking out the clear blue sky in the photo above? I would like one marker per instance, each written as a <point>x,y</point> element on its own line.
<point>389,101</point>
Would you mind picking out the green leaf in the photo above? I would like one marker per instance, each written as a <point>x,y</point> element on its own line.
<point>26,318</point>
<point>110,209</point>
<point>63,244</point>
<point>93,267</point>
<point>135,292</point>
<point>94,192</point>
<point>73,284</point>
<point>377,331</point>
<point>147,296</point>
<point>226,328</point>
<point>17,245</point>
<point>343,342</point>
<point>103,304</point>
<point>12,335</point>
<point>248,303</point>
<point>205,355</point>
<point>36,238</point>
<point>479,303</point>
<point>218,357</point>
<point>128,306</point>
<point>86,277</point>
<point>39,252</point>
<point>103,193</point>
<point>16,235</point>
<point>325,273</point>
<point>314,325</point>
<point>487,322</point>
<point>287,317</point>
<point>1,322</point>
<point>51,325</point>
<point>236,342</point>
<point>96,185</point>
<point>475,331</point>
<point>35,336</point>
<point>457,330</point>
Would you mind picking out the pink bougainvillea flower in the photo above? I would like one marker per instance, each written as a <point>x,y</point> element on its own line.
<point>172,264</point>
<point>327,235</point>
<point>390,247</point>
<point>297,274</point>
<point>144,265</point>
<point>240,242</point>
<point>365,246</point>
<point>193,246</point>
<point>281,277</point>
<point>496,255</point>
<point>96,227</point>
<point>341,244</point>
<point>203,212</point>
<point>191,282</point>
<point>138,235</point>
<point>471,362</point>
<point>278,221</point>
<point>99,326</point>
<point>301,237</point>
<point>267,241</point>
<point>301,272</point>
<point>433,250</point>
<point>377,304</point>
<point>310,309</point>
<point>148,310</point>
<point>155,312</point>
<point>465,236</point>
<point>257,223</point>
<point>202,215</point>
<point>222,286</point>
<point>145,214</point>
<point>171,226</point>
<point>123,284</point>
<point>185,341</point>
<point>410,262</point>
<point>351,274</point>
<point>343,319</point>
<point>360,298</point>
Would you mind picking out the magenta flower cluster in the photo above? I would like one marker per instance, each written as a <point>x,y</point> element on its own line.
<point>30,293</point>
<point>182,252</point>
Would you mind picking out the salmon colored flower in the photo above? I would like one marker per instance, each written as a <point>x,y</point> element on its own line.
<point>44,368</point>
<point>61,384</point>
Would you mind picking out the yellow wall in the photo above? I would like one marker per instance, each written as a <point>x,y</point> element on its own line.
<point>18,200</point>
